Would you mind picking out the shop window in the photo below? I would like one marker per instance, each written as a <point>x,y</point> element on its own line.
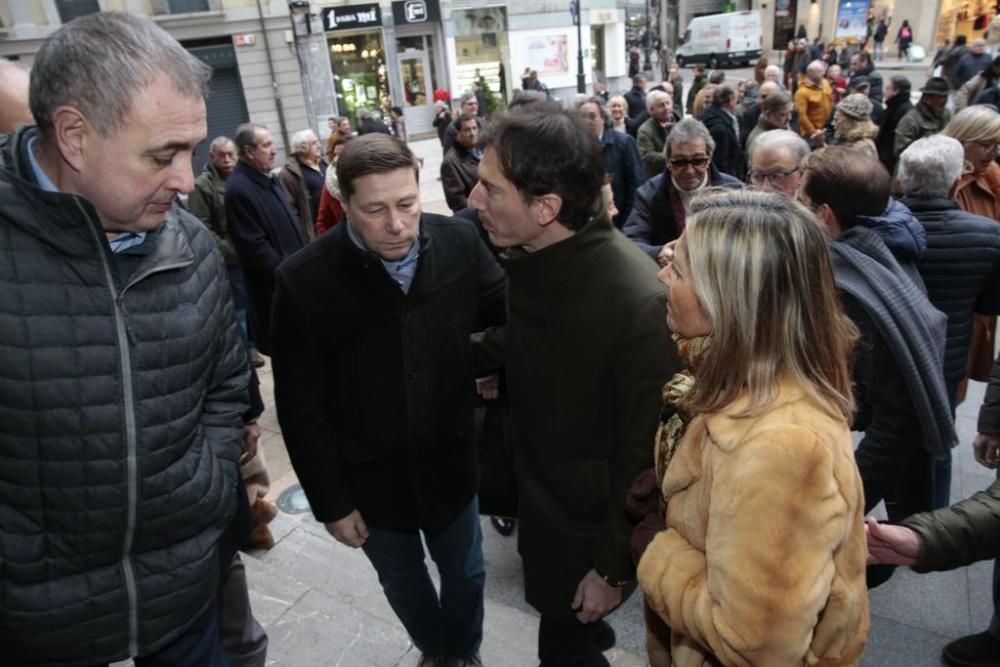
<point>70,9</point>
<point>161,7</point>
<point>359,74</point>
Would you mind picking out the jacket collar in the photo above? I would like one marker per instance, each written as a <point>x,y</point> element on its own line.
<point>728,429</point>
<point>253,173</point>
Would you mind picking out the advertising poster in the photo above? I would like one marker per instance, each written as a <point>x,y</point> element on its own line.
<point>548,54</point>
<point>852,19</point>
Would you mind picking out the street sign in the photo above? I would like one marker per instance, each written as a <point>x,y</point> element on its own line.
<point>351,17</point>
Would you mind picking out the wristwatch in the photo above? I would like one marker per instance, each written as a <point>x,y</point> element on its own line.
<point>611,581</point>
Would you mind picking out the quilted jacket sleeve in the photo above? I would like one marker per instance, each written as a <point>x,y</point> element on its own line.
<point>776,517</point>
<point>989,413</point>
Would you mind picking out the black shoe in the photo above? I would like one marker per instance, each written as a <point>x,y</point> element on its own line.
<point>503,526</point>
<point>982,650</point>
<point>604,635</point>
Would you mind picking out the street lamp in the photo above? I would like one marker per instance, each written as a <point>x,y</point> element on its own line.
<point>647,40</point>
<point>581,80</point>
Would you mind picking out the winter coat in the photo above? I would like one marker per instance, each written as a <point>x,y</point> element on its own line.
<point>861,137</point>
<point>961,269</point>
<point>874,80</point>
<point>293,182</point>
<point>950,63</point>
<point>371,125</point>
<point>814,104</point>
<point>264,230</point>
<point>459,174</point>
<point>722,126</point>
<point>657,217</point>
<point>584,340</point>
<point>207,203</point>
<point>959,535</point>
<point>897,107</point>
<point>122,403</point>
<point>621,160</point>
<point>969,66</point>
<point>636,100</point>
<point>989,413</point>
<point>652,139</point>
<point>442,121</point>
<point>969,93</point>
<point>919,122</point>
<point>746,498</point>
<point>697,83</point>
<point>331,209</point>
<point>373,385</point>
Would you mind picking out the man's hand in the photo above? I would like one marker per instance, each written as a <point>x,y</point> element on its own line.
<point>986,447</point>
<point>350,530</point>
<point>666,253</point>
<point>891,545</point>
<point>251,435</point>
<point>488,387</point>
<point>818,139</point>
<point>594,598</point>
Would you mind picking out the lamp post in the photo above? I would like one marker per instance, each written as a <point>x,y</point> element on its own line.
<point>647,39</point>
<point>581,80</point>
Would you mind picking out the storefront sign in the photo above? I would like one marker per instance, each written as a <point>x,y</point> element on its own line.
<point>852,19</point>
<point>601,16</point>
<point>407,12</point>
<point>352,17</point>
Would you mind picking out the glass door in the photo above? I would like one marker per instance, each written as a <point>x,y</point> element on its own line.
<point>418,86</point>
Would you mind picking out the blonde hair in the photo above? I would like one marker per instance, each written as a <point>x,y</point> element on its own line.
<point>761,270</point>
<point>979,122</point>
<point>703,98</point>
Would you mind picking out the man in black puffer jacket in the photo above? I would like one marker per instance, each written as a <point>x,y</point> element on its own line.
<point>123,375</point>
<point>961,266</point>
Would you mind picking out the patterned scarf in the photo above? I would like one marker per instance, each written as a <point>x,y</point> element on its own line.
<point>673,421</point>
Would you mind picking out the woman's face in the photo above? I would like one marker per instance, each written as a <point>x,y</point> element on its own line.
<point>980,154</point>
<point>841,123</point>
<point>684,314</point>
<point>617,110</point>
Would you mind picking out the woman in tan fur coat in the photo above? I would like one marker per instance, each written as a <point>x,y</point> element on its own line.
<point>763,558</point>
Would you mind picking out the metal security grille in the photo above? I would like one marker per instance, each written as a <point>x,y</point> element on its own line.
<point>227,108</point>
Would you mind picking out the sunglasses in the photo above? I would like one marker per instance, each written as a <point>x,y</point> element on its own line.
<point>698,162</point>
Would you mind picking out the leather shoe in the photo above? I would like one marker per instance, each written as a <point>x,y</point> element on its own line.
<point>981,650</point>
<point>263,511</point>
<point>258,359</point>
<point>503,525</point>
<point>260,538</point>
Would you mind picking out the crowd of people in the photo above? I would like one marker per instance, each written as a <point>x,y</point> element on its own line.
<point>673,316</point>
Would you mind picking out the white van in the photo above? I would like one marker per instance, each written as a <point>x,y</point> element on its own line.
<point>721,39</point>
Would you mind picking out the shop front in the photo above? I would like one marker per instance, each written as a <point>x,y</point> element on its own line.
<point>358,59</point>
<point>970,18</point>
<point>418,61</point>
<point>481,50</point>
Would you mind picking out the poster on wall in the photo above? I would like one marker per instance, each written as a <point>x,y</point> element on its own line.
<point>852,20</point>
<point>547,54</point>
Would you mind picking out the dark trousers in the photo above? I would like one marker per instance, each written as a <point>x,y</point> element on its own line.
<point>445,625</point>
<point>198,646</point>
<point>238,284</point>
<point>242,637</point>
<point>569,644</point>
<point>995,622</point>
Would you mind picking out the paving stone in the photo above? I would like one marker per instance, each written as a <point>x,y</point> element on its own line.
<point>894,644</point>
<point>904,598</point>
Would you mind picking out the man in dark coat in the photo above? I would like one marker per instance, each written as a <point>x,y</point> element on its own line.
<point>972,63</point>
<point>621,157</point>
<point>262,224</point>
<point>374,391</point>
<point>660,207</point>
<point>862,65</point>
<point>302,179</point>
<point>897,105</point>
<point>720,119</point>
<point>368,124</point>
<point>585,340</point>
<point>460,166</point>
<point>903,405</point>
<point>636,96</point>
<point>961,266</point>
<point>123,375</point>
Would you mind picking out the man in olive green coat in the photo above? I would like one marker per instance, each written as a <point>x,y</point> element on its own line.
<point>586,352</point>
<point>955,536</point>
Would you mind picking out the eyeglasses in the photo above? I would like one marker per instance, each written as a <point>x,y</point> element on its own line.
<point>776,177</point>
<point>988,146</point>
<point>698,162</point>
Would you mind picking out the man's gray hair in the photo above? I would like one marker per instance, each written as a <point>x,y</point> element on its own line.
<point>656,96</point>
<point>930,166</point>
<point>596,101</point>
<point>100,62</point>
<point>218,143</point>
<point>246,135</point>
<point>466,97</point>
<point>687,131</point>
<point>782,140</point>
<point>300,139</point>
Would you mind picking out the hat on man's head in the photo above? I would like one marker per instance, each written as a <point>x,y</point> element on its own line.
<point>856,106</point>
<point>859,82</point>
<point>936,85</point>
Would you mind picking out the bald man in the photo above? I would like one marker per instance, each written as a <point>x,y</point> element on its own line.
<point>814,102</point>
<point>14,109</point>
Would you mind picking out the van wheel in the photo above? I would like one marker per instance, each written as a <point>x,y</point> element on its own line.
<point>680,62</point>
<point>713,62</point>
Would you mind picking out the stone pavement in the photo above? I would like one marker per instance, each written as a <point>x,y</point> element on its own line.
<point>321,603</point>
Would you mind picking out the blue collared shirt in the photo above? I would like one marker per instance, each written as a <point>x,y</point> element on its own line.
<point>402,270</point>
<point>121,242</point>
